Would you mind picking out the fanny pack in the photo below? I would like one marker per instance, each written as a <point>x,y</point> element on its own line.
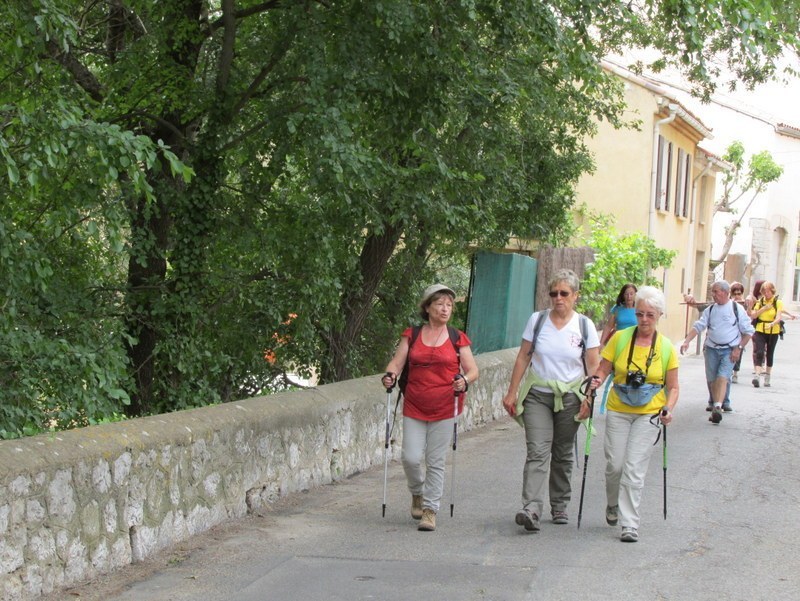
<point>637,397</point>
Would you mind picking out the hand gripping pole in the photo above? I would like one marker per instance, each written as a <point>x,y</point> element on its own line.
<point>586,448</point>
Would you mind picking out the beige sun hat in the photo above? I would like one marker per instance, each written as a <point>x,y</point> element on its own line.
<point>433,289</point>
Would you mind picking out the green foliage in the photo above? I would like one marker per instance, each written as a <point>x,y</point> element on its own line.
<point>734,155</point>
<point>739,181</point>
<point>761,171</point>
<point>186,191</point>
<point>619,259</point>
<point>714,42</point>
<point>63,237</point>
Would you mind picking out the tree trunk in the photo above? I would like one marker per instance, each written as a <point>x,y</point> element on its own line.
<point>730,232</point>
<point>146,274</point>
<point>357,302</point>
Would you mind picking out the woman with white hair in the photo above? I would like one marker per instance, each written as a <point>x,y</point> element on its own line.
<point>645,375</point>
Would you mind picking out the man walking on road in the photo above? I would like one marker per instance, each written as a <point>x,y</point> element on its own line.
<point>729,331</point>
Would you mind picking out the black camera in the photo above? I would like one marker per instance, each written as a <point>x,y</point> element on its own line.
<point>635,378</point>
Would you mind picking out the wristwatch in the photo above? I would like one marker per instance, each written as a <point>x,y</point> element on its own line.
<point>740,347</point>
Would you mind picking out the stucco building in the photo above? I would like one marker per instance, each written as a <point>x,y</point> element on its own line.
<point>658,180</point>
<point>766,244</point>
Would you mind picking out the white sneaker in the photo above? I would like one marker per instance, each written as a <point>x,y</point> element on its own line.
<point>629,535</point>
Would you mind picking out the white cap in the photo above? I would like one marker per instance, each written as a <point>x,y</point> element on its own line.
<point>433,289</point>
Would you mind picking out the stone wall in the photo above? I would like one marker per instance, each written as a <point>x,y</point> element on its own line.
<point>78,504</point>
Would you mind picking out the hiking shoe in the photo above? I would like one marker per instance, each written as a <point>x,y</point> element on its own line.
<point>560,517</point>
<point>709,407</point>
<point>416,506</point>
<point>766,381</point>
<point>735,378</point>
<point>612,515</point>
<point>629,535</point>
<point>525,517</point>
<point>428,521</point>
<point>726,407</point>
<point>716,415</point>
<point>756,382</point>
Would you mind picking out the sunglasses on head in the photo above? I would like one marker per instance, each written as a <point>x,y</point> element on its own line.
<point>555,293</point>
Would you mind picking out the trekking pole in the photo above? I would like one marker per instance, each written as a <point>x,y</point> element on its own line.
<point>586,448</point>
<point>664,428</point>
<point>386,447</point>
<point>455,445</point>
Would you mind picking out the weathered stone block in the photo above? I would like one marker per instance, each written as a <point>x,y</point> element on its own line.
<point>61,497</point>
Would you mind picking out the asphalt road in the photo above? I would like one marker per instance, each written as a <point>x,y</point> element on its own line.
<point>731,533</point>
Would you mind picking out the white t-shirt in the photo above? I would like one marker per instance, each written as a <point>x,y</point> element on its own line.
<point>558,352</point>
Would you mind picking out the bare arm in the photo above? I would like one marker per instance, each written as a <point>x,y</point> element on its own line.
<point>592,359</point>
<point>601,372</point>
<point>782,311</point>
<point>397,363</point>
<point>468,367</point>
<point>689,337</point>
<point>520,365</point>
<point>608,330</point>
<point>592,364</point>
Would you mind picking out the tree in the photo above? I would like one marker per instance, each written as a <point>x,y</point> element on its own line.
<point>63,229</point>
<point>184,176</point>
<point>619,259</point>
<point>739,182</point>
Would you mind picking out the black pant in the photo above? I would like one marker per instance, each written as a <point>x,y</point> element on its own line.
<point>764,345</point>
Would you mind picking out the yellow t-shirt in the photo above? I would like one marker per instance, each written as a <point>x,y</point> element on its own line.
<point>768,316</point>
<point>654,374</point>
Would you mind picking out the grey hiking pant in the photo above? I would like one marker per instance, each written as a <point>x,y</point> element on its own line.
<point>549,437</point>
<point>628,447</point>
<point>423,456</point>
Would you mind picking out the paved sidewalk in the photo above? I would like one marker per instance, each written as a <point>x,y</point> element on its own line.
<point>732,530</point>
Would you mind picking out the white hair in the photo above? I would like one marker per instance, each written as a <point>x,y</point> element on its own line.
<point>652,297</point>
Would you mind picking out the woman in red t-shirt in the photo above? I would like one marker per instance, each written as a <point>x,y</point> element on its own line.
<point>434,377</point>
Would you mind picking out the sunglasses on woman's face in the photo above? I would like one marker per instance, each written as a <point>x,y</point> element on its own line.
<point>563,293</point>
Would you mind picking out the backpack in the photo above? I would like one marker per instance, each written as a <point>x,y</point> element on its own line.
<point>735,316</point>
<point>735,313</point>
<point>455,336</point>
<point>665,349</point>
<point>760,303</point>
<point>584,325</point>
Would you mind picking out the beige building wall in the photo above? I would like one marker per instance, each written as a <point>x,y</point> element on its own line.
<point>620,185</point>
<point>624,186</point>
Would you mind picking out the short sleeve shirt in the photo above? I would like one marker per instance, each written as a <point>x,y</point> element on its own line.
<point>654,374</point>
<point>557,355</point>
<point>768,316</point>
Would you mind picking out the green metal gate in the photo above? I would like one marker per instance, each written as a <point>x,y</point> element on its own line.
<point>502,294</point>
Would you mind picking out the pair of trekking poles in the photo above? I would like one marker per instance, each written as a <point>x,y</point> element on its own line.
<point>587,448</point>
<point>586,453</point>
<point>388,440</point>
